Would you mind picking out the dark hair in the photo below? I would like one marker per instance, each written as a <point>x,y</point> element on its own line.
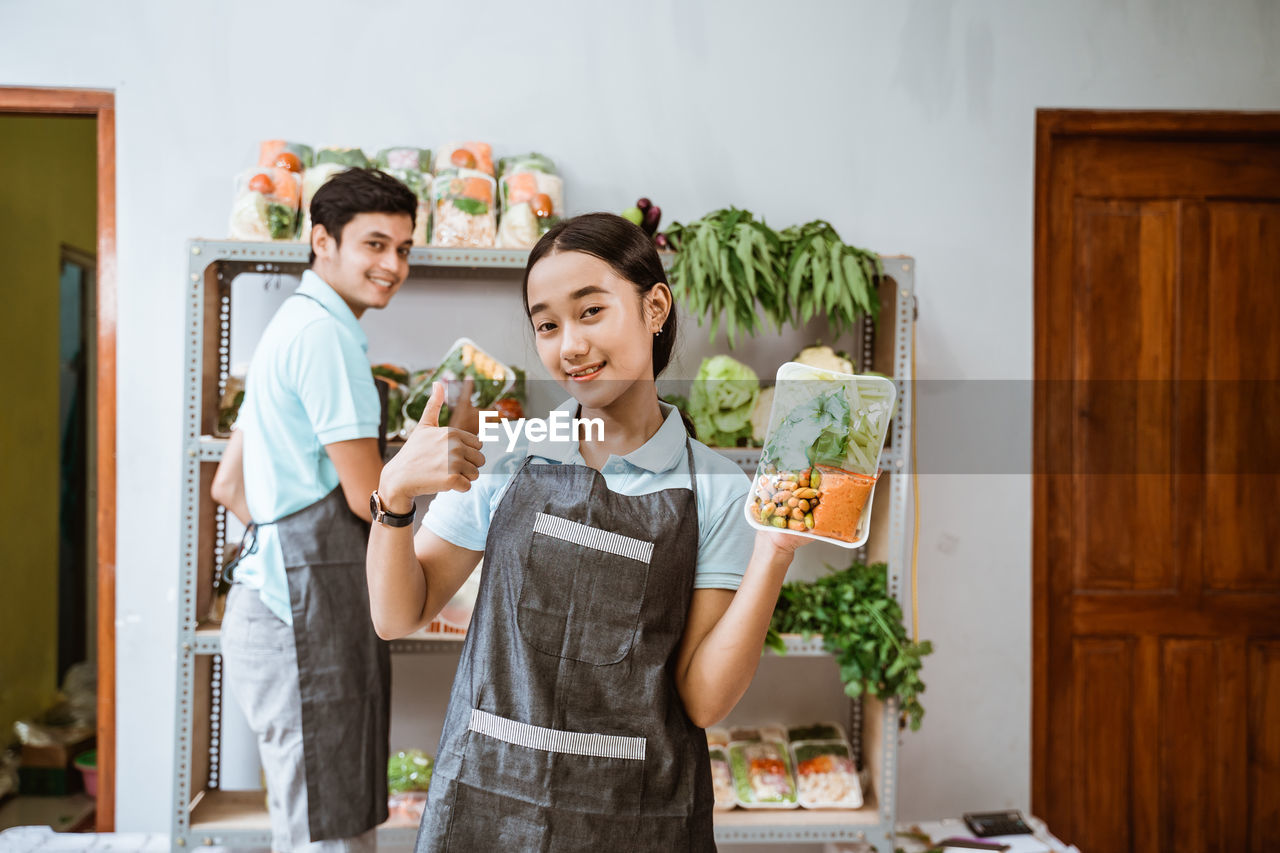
<point>626,249</point>
<point>355,191</point>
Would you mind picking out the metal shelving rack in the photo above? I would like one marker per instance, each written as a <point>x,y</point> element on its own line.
<point>204,815</point>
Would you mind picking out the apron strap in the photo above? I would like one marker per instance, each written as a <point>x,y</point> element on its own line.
<point>693,476</point>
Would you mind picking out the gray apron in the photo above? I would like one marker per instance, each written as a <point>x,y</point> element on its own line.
<point>565,731</point>
<point>344,669</point>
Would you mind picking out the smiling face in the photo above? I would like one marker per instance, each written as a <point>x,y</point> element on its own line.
<point>372,261</point>
<point>593,330</point>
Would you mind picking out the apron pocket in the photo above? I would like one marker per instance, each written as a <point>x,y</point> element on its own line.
<point>582,591</point>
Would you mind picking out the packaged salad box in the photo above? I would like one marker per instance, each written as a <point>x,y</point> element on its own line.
<point>475,156</point>
<point>816,731</point>
<point>825,775</point>
<point>722,780</point>
<point>821,457</point>
<point>762,775</point>
<point>465,358</point>
<point>266,204</point>
<point>404,157</point>
<point>420,184</point>
<point>463,210</point>
<point>531,199</point>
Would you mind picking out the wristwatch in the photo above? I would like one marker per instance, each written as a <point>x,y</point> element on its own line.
<point>382,515</point>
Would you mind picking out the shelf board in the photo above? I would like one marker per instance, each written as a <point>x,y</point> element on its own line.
<point>221,817</point>
<point>294,253</point>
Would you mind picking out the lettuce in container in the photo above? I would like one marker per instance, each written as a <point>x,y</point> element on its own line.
<point>531,196</point>
<point>825,775</point>
<point>821,457</point>
<point>762,776</point>
<point>463,210</point>
<point>266,204</point>
<point>492,380</point>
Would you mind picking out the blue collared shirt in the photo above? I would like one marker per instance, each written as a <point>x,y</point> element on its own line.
<point>725,539</point>
<point>308,385</point>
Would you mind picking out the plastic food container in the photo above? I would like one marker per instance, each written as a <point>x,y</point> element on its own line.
<point>266,204</point>
<point>403,157</point>
<point>821,457</point>
<point>531,196</point>
<point>348,158</point>
<point>718,737</point>
<point>406,808</point>
<point>271,153</point>
<point>825,774</point>
<point>722,780</point>
<point>312,180</point>
<point>768,731</point>
<point>463,210</point>
<point>420,183</point>
<point>816,731</point>
<point>762,775</point>
<point>454,156</point>
<point>465,358</point>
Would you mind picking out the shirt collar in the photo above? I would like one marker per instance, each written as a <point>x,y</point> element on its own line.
<point>663,451</point>
<point>318,289</point>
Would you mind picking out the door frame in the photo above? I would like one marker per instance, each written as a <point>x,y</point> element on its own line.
<point>100,104</point>
<point>1052,127</point>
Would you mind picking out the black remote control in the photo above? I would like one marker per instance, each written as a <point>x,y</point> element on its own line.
<point>987,824</point>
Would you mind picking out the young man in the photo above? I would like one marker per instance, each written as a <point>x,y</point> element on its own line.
<point>300,653</point>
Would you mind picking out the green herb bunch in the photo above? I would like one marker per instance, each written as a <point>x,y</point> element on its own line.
<point>861,625</point>
<point>728,263</point>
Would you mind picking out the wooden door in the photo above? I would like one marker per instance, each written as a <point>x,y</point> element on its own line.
<point>1156,621</point>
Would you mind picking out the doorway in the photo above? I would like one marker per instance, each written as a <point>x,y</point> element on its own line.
<point>59,424</point>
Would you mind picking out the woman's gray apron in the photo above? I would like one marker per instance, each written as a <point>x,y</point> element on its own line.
<point>565,731</point>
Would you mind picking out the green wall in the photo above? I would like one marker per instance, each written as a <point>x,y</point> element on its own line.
<point>48,197</point>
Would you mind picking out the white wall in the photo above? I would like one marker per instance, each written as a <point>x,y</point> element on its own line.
<point>908,125</point>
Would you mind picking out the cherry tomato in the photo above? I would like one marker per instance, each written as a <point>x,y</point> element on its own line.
<point>541,204</point>
<point>261,184</point>
<point>288,160</point>
<point>509,409</point>
<point>463,159</point>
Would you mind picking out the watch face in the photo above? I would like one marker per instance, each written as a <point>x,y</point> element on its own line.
<point>374,509</point>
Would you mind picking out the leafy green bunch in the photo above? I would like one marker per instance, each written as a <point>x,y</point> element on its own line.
<point>861,625</point>
<point>728,263</point>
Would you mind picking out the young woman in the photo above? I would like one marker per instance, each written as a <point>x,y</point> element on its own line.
<point>615,619</point>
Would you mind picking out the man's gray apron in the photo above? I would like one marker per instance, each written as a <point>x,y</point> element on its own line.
<point>565,731</point>
<point>344,669</point>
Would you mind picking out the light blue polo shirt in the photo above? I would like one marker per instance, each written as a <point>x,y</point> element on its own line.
<point>308,385</point>
<point>725,539</point>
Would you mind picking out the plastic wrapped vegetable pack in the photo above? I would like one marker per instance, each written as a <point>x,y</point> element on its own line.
<point>312,180</point>
<point>349,158</point>
<point>721,401</point>
<point>266,204</point>
<point>293,156</point>
<point>816,731</point>
<point>404,157</point>
<point>492,380</point>
<point>463,214</point>
<point>531,195</point>
<point>468,156</point>
<point>762,777</point>
<point>821,457</point>
<point>421,185</point>
<point>825,774</point>
<point>722,780</point>
<point>409,770</point>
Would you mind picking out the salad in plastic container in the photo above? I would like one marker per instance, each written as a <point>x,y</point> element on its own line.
<point>531,195</point>
<point>406,808</point>
<point>816,731</point>
<point>769,731</point>
<point>466,156</point>
<point>289,155</point>
<point>312,180</point>
<point>266,204</point>
<point>722,780</point>
<point>463,214</point>
<point>762,777</point>
<point>349,158</point>
<point>821,456</point>
<point>826,776</point>
<point>465,358</point>
<point>421,185</point>
<point>403,157</point>
<point>718,737</point>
